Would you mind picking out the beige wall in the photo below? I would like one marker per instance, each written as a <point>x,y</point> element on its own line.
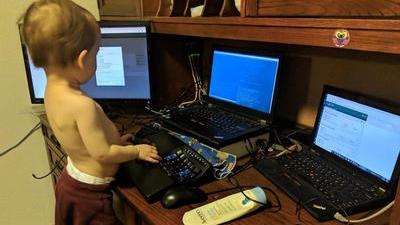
<point>23,200</point>
<point>307,69</point>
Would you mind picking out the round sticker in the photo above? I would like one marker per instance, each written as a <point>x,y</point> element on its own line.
<point>341,38</point>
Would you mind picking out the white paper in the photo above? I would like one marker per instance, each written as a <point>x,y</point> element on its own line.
<point>110,67</point>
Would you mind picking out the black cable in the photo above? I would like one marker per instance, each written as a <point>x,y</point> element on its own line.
<point>251,150</point>
<point>277,136</point>
<point>299,130</point>
<point>248,149</point>
<point>240,168</point>
<point>56,165</point>
<point>345,214</point>
<point>183,95</point>
<point>299,206</point>
<point>249,162</point>
<point>261,149</point>
<point>35,128</point>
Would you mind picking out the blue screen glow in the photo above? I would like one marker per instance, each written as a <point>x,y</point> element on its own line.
<point>244,79</point>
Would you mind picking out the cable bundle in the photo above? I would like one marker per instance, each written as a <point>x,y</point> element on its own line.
<point>194,61</point>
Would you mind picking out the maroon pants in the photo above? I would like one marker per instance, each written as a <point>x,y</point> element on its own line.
<point>79,203</point>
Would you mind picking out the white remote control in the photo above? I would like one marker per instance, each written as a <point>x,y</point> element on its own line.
<point>225,209</point>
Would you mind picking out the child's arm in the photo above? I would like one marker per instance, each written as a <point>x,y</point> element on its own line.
<point>89,119</point>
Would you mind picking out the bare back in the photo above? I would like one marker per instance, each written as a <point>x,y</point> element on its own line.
<point>63,106</point>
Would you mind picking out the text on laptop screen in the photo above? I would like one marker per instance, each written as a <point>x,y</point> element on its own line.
<point>244,79</point>
<point>364,136</point>
<point>122,67</point>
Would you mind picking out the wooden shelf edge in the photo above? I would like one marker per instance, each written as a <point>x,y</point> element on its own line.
<point>365,35</point>
<point>367,24</point>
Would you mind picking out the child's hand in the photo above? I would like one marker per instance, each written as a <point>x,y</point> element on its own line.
<point>148,153</point>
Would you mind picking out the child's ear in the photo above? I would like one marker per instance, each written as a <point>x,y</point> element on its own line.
<point>81,59</point>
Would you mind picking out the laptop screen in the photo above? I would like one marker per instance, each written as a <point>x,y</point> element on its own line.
<point>244,79</point>
<point>366,137</point>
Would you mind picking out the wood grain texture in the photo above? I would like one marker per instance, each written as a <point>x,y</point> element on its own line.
<point>378,36</point>
<point>370,24</point>
<point>150,7</point>
<point>155,214</point>
<point>120,8</point>
<point>164,8</point>
<point>249,8</point>
<point>366,34</point>
<point>328,8</point>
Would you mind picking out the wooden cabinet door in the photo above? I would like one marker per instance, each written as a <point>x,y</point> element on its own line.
<point>120,7</point>
<point>323,8</point>
<point>150,7</point>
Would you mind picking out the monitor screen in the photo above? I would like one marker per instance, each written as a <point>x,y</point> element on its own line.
<point>244,79</point>
<point>122,66</point>
<point>365,136</point>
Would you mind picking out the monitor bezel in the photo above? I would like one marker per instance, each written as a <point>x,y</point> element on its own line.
<point>365,99</point>
<point>133,101</point>
<point>34,99</point>
<point>250,51</point>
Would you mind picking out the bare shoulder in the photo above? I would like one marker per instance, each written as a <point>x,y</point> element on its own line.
<point>83,101</point>
<point>85,105</point>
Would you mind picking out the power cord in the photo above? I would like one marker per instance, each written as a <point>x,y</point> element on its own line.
<point>284,148</point>
<point>35,128</point>
<point>56,165</point>
<point>338,216</point>
<point>193,61</point>
<point>299,205</point>
<point>252,151</point>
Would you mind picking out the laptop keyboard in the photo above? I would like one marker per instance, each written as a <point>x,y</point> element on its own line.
<point>212,116</point>
<point>339,189</point>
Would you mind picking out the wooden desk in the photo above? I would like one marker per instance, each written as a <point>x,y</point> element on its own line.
<point>155,214</point>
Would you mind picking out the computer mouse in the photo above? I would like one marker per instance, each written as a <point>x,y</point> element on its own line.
<point>181,195</point>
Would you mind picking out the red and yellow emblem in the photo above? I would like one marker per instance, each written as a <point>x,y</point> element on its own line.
<point>341,38</point>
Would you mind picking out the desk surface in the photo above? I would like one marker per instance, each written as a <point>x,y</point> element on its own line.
<point>155,214</point>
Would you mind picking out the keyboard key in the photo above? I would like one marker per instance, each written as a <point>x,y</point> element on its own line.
<point>340,190</point>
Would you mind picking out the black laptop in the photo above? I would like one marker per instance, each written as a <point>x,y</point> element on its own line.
<point>353,162</point>
<point>240,98</point>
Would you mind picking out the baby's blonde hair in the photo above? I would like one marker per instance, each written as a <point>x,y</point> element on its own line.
<point>56,31</point>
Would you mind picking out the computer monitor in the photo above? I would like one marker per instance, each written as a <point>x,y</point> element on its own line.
<point>123,71</point>
<point>245,78</point>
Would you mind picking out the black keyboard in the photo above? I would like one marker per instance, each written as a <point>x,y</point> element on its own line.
<point>205,115</point>
<point>180,164</point>
<point>184,164</point>
<point>335,185</point>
